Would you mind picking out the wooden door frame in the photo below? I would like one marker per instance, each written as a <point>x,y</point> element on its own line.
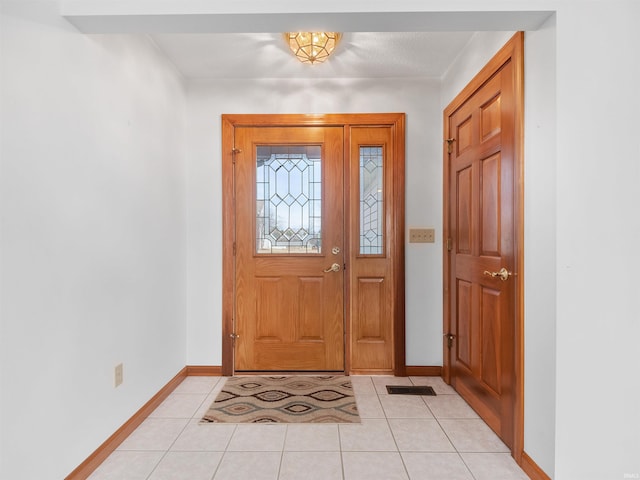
<point>513,50</point>
<point>397,123</point>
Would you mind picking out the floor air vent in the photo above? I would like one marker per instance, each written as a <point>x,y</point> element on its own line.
<point>409,390</point>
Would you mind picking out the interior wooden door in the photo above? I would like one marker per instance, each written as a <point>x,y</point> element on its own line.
<point>482,263</point>
<point>289,291</point>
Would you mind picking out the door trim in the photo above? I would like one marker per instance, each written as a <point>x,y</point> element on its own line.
<point>513,50</point>
<point>394,120</point>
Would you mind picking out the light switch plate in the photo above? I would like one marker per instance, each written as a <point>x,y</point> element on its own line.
<point>422,235</point>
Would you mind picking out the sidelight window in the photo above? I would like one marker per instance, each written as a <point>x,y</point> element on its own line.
<point>371,200</point>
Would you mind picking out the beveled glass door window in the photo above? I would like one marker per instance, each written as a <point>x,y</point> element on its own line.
<point>371,200</point>
<point>289,199</point>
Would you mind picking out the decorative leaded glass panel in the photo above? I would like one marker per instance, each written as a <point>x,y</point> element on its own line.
<point>371,201</point>
<point>288,199</point>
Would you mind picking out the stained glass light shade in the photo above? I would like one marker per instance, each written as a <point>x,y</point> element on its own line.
<point>312,47</point>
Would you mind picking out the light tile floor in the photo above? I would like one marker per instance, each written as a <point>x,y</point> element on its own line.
<point>400,437</point>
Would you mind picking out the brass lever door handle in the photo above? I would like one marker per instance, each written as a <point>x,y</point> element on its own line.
<point>333,268</point>
<point>503,274</point>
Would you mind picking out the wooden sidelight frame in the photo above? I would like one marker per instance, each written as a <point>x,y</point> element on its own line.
<point>394,121</point>
<point>512,51</point>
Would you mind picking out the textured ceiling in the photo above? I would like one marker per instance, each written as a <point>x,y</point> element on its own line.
<point>266,55</point>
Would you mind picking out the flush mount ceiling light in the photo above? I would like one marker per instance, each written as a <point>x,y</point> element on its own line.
<point>312,47</point>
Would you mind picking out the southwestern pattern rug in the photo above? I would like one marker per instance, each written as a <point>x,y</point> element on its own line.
<point>291,399</point>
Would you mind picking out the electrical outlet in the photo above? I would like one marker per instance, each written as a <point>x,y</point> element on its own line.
<point>118,375</point>
<point>422,235</point>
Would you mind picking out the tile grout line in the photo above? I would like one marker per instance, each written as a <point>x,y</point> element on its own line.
<point>395,441</point>
<point>215,472</point>
<point>434,417</point>
<point>183,429</point>
<point>454,446</point>
<point>344,475</point>
<point>284,443</point>
<point>466,466</point>
<point>437,419</point>
<point>195,415</point>
<point>340,449</point>
<point>168,449</point>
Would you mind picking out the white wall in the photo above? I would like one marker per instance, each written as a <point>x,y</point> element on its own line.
<point>540,161</point>
<point>420,99</point>
<point>598,227</point>
<point>478,51</point>
<point>93,236</point>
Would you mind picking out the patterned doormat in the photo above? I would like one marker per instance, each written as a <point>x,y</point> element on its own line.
<point>297,399</point>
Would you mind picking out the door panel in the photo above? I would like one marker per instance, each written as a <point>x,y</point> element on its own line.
<point>490,203</point>
<point>311,313</point>
<point>371,310</point>
<point>269,298</point>
<point>372,209</point>
<point>289,215</point>
<point>463,218</point>
<point>464,331</point>
<point>481,225</point>
<point>490,118</point>
<point>490,322</point>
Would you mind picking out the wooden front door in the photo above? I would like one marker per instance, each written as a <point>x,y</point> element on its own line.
<point>289,248</point>
<point>482,166</point>
<point>313,243</point>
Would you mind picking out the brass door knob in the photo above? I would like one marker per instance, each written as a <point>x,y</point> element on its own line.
<point>333,268</point>
<point>503,274</point>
